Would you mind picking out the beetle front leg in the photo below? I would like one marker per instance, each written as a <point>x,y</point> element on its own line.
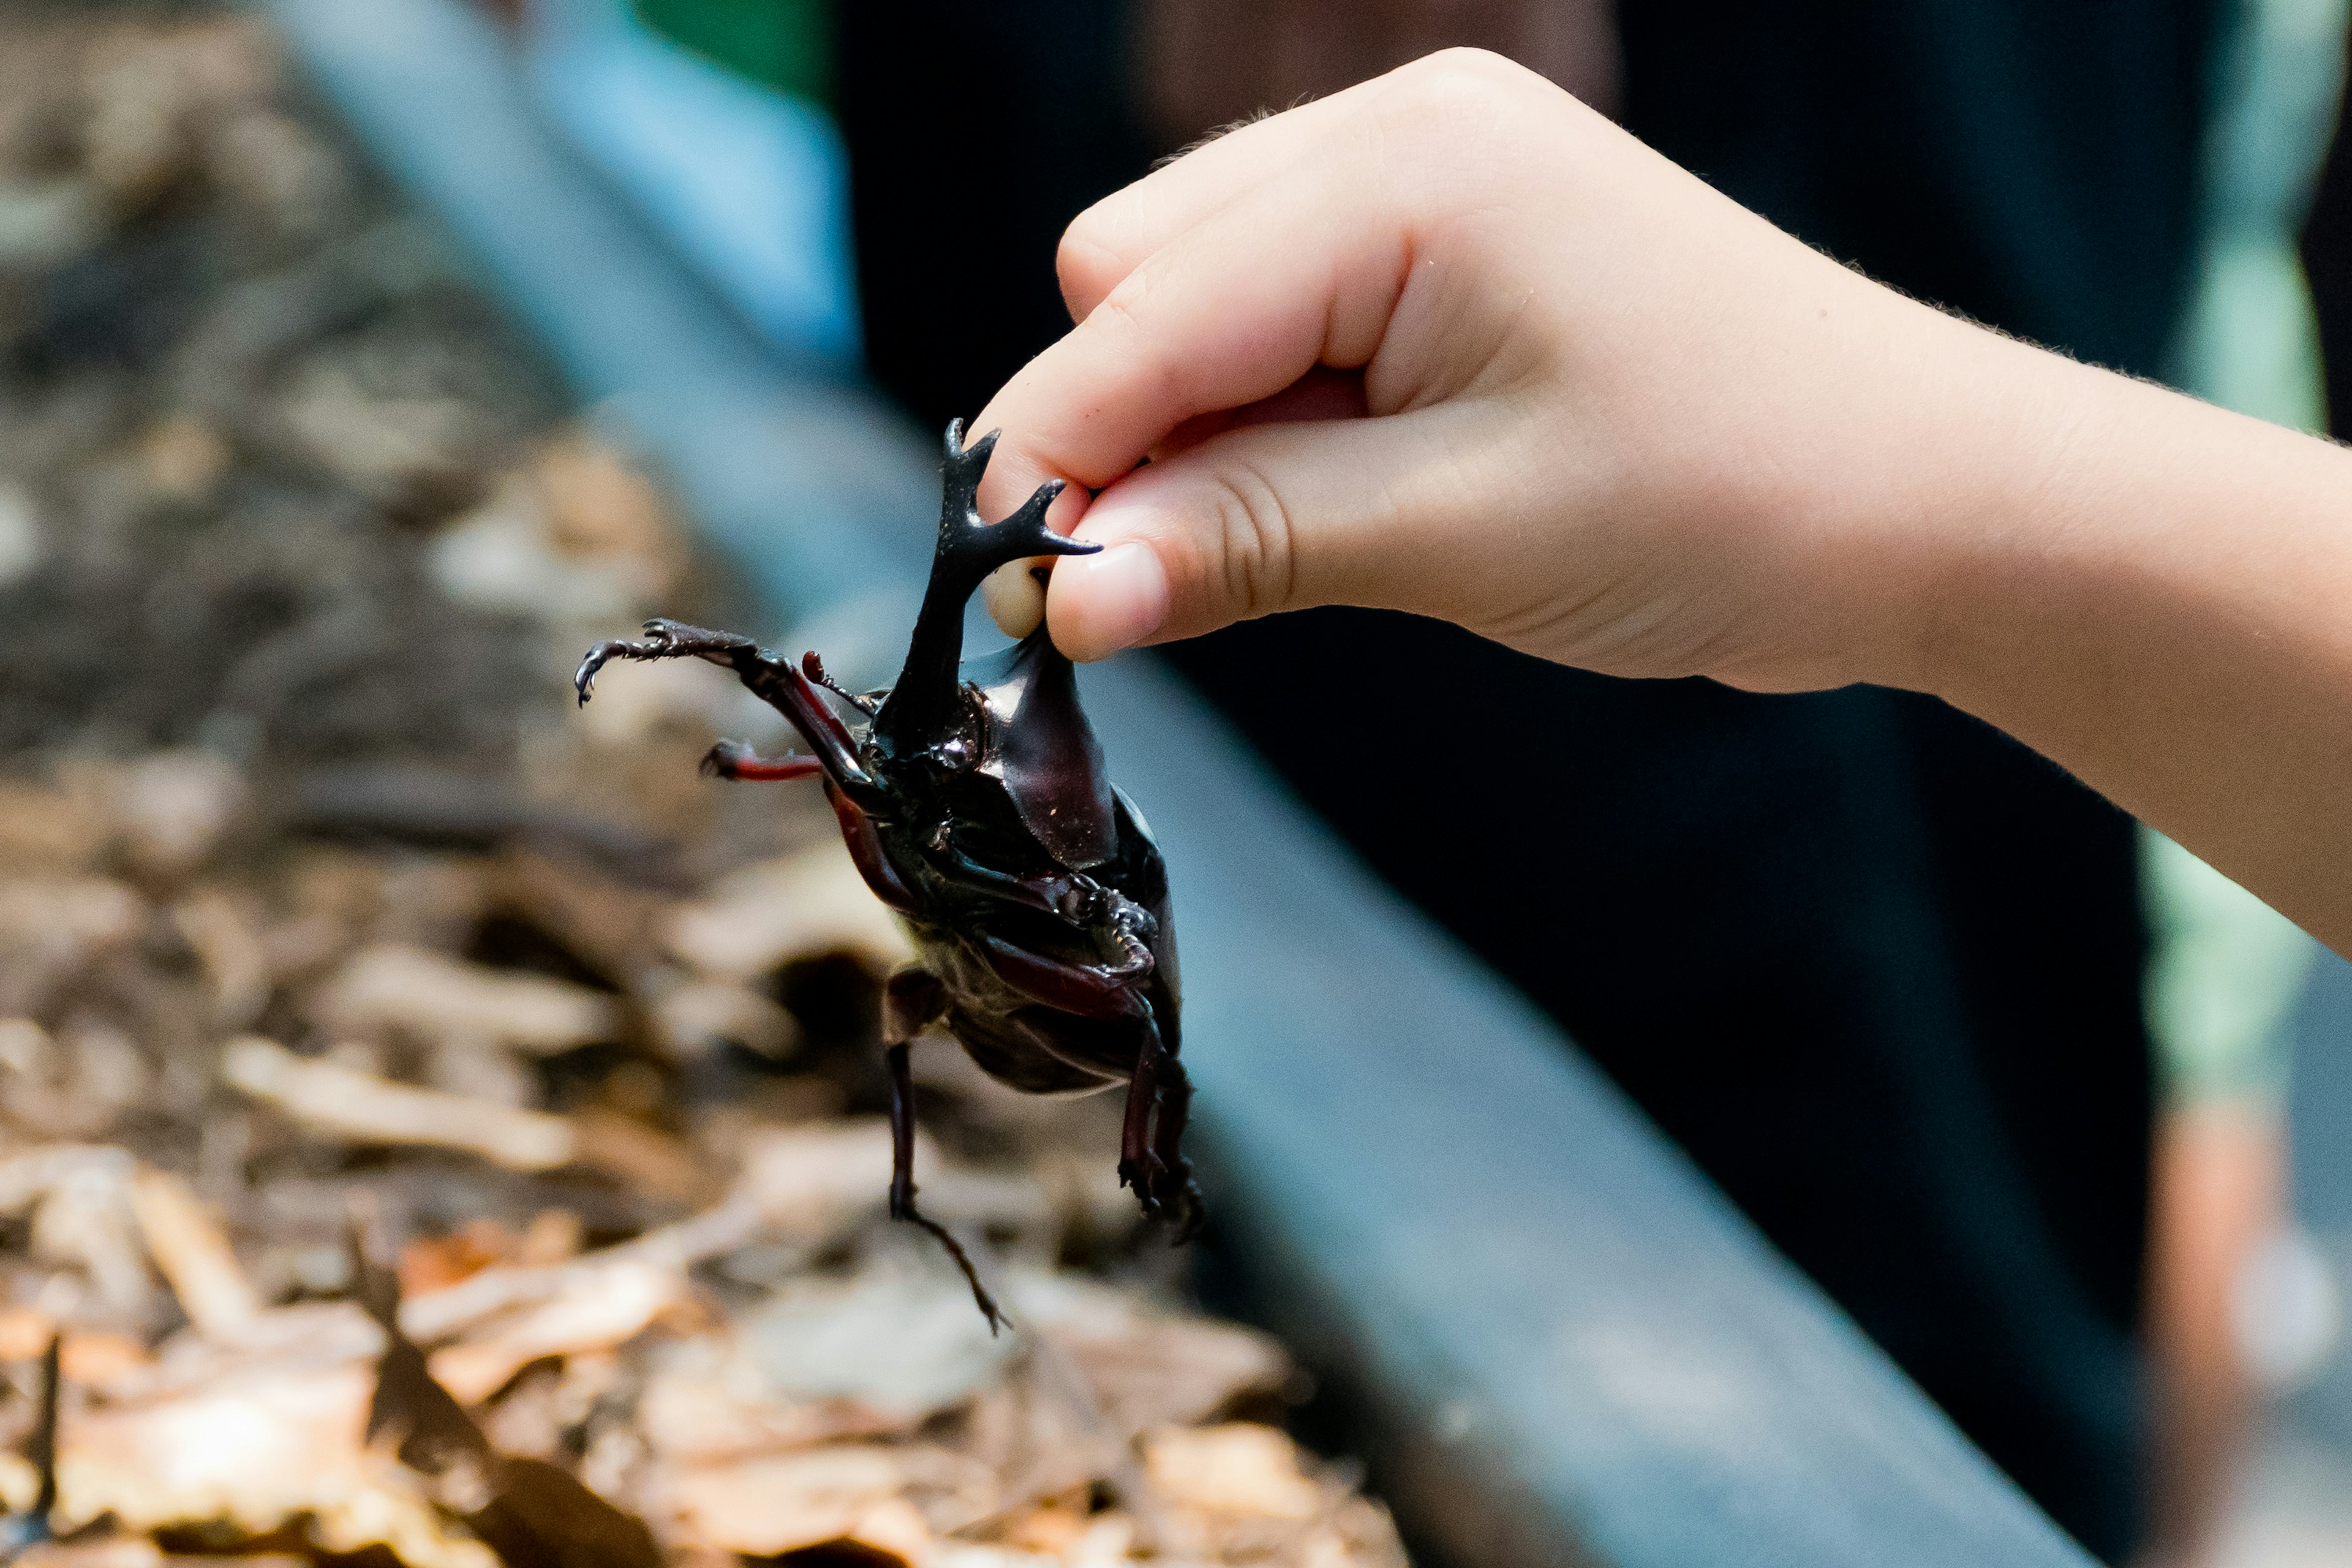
<point>1090,990</point>
<point>667,639</point>
<point>912,1001</point>
<point>734,759</point>
<point>772,680</point>
<point>1084,904</point>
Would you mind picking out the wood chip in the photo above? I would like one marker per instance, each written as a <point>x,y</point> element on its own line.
<point>329,1098</point>
<point>173,809</point>
<point>645,1158</point>
<point>194,1256</point>
<point>439,998</point>
<point>800,905</point>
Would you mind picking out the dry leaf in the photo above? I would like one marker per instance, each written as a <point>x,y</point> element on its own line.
<point>1237,1469</point>
<point>272,1445</point>
<point>705,1403</point>
<point>605,922</point>
<point>236,958</point>
<point>49,830</point>
<point>51,927</point>
<point>606,1305</point>
<point>904,1342</point>
<point>786,1502</point>
<point>105,1552</point>
<point>1148,1368</point>
<point>436,1263</point>
<point>697,1017</point>
<point>80,1199</point>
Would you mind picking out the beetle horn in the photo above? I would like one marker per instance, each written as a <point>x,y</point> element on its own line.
<point>922,708</point>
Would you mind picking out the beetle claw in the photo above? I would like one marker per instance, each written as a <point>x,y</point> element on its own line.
<point>663,640</point>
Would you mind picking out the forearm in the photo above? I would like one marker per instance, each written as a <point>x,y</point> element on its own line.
<point>2158,594</point>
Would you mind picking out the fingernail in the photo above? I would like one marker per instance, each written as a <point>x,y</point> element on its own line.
<point>1117,598</point>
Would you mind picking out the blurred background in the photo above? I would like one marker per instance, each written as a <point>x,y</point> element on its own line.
<point>2061,1118</point>
<point>1919,983</point>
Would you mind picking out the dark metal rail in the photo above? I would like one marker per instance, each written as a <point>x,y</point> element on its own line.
<point>1565,1347</point>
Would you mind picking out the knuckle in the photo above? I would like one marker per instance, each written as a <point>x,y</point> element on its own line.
<point>1084,255</point>
<point>1455,92</point>
<point>1258,554</point>
<point>1453,77</point>
<point>1125,316</point>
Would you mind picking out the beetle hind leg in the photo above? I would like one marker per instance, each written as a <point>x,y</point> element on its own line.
<point>1173,1186</point>
<point>914,999</point>
<point>1150,1159</point>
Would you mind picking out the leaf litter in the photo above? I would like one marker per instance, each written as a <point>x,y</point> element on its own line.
<point>438,1129</point>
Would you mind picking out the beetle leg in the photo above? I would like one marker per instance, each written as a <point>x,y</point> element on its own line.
<point>912,1001</point>
<point>866,851</point>
<point>1135,1127</point>
<point>1171,1182</point>
<point>667,639</point>
<point>1151,1160</point>
<point>1076,901</point>
<point>734,759</point>
<point>772,680</point>
<point>1085,989</point>
<point>813,668</point>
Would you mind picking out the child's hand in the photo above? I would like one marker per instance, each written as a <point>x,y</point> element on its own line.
<point>1450,342</point>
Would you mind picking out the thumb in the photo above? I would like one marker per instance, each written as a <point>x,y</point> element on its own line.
<point>1255,520</point>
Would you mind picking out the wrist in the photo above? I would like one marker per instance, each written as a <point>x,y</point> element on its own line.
<point>2008,538</point>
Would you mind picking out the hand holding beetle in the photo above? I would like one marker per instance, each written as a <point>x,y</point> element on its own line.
<point>1450,342</point>
<point>1522,299</point>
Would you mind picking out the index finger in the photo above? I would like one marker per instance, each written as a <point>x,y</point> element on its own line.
<point>1112,237</point>
<point>1300,269</point>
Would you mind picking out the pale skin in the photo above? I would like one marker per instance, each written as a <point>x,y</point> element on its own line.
<point>1450,342</point>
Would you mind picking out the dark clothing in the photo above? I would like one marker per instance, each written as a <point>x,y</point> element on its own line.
<point>976,133</point>
<point>2031,162</point>
<point>2327,261</point>
<point>1874,966</point>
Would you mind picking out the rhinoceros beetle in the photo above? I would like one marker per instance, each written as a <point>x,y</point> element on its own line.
<point>975,803</point>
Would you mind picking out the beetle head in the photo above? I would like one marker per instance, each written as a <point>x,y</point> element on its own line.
<point>926,709</point>
<point>1020,723</point>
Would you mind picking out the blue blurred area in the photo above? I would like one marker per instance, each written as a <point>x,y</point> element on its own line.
<point>749,183</point>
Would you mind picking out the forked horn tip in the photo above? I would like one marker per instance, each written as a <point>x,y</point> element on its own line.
<point>975,453</point>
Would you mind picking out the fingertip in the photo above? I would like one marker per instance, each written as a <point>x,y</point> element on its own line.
<point>1015,600</point>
